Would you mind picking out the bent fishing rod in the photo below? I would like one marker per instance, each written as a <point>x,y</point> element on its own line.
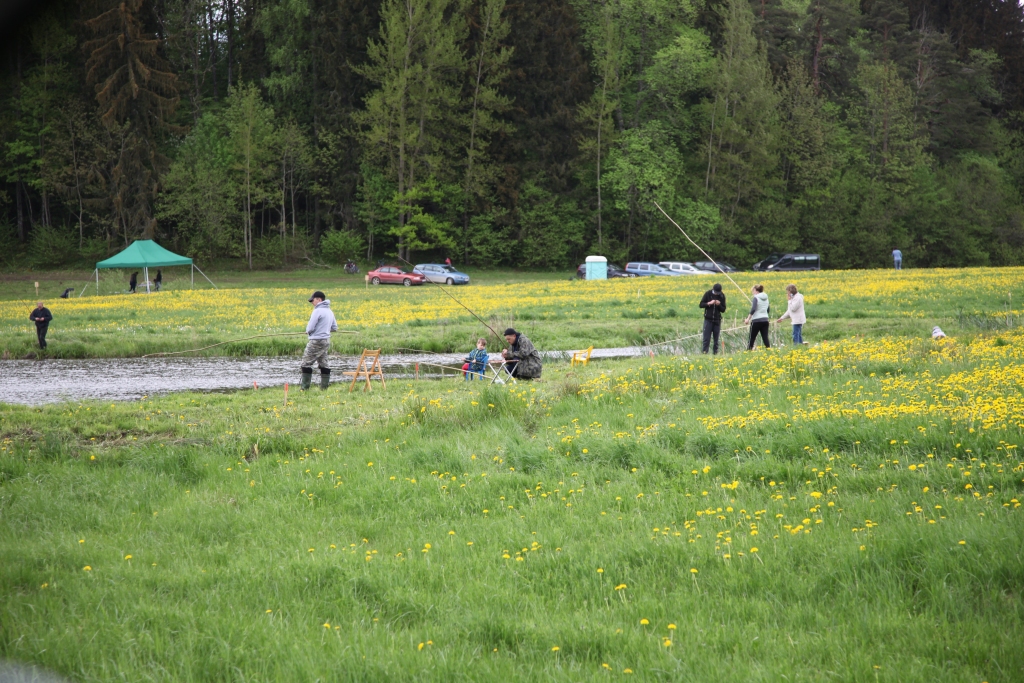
<point>702,251</point>
<point>501,340</point>
<point>232,341</point>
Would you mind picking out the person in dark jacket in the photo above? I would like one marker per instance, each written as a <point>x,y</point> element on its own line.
<point>133,282</point>
<point>524,359</point>
<point>159,279</point>
<point>713,303</point>
<point>41,316</point>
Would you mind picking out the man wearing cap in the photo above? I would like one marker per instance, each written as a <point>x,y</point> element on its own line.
<point>321,324</point>
<point>523,360</point>
<point>713,303</point>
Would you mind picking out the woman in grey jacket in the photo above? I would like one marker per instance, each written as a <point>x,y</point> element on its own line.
<point>758,319</point>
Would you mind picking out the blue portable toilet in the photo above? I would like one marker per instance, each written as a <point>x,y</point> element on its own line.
<point>597,268</point>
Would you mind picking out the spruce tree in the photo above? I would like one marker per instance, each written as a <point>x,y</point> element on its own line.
<point>136,93</point>
<point>741,149</point>
<point>411,121</point>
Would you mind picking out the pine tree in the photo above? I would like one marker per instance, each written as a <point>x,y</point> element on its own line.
<point>891,133</point>
<point>597,113</point>
<point>250,123</point>
<point>826,33</point>
<point>490,68</point>
<point>742,138</point>
<point>137,94</point>
<point>411,122</point>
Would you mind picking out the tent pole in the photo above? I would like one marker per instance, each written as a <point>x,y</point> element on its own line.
<point>97,282</point>
<point>145,274</point>
<point>193,276</point>
<point>204,275</point>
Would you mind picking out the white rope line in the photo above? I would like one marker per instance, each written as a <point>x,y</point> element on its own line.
<point>699,334</point>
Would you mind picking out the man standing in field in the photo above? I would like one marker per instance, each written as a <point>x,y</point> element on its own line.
<point>41,316</point>
<point>897,259</point>
<point>321,324</point>
<point>713,303</point>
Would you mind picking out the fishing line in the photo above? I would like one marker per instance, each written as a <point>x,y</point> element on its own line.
<point>501,340</point>
<point>406,348</point>
<point>232,341</point>
<point>699,334</point>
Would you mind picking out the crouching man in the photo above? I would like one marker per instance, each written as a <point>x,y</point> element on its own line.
<point>321,324</point>
<point>523,359</point>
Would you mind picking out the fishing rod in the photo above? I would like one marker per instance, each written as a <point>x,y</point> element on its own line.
<point>232,341</point>
<point>702,251</point>
<point>501,340</point>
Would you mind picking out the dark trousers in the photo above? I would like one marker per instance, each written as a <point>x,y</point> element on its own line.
<point>41,334</point>
<point>711,328</point>
<point>759,327</point>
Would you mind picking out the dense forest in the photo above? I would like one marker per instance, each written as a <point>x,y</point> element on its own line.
<point>514,132</point>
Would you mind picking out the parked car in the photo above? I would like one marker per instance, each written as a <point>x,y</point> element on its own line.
<point>682,268</point>
<point>644,268</point>
<point>613,271</point>
<point>709,266</point>
<point>767,261</point>
<point>393,275</point>
<point>790,262</point>
<point>441,274</point>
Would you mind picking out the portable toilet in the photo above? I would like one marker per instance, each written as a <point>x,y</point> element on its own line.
<point>597,268</point>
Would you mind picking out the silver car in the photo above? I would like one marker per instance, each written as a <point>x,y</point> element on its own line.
<point>441,274</point>
<point>682,268</point>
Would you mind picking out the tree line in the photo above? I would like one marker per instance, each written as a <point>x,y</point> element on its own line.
<point>512,132</point>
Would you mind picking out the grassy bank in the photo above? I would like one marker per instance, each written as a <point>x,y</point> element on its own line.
<point>850,511</point>
<point>556,314</point>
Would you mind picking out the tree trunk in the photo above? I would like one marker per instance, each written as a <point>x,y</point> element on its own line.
<point>213,48</point>
<point>472,137</point>
<point>21,212</point>
<point>600,125</point>
<point>231,43</point>
<point>819,43</point>
<point>284,197</point>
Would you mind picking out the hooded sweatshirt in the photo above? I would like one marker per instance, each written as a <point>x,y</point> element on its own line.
<point>759,308</point>
<point>713,313</point>
<point>322,322</point>
<point>795,310</point>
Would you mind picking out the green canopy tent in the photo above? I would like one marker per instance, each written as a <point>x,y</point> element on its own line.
<point>146,253</point>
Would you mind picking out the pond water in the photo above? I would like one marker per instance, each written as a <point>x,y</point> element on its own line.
<point>31,382</point>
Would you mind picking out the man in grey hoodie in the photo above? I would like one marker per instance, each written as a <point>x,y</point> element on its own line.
<point>321,324</point>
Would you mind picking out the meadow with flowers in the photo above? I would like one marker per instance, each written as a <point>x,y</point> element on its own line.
<point>848,511</point>
<point>557,314</point>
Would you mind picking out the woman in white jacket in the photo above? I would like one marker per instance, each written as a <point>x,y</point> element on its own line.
<point>795,313</point>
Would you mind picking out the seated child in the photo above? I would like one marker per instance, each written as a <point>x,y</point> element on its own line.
<point>476,361</point>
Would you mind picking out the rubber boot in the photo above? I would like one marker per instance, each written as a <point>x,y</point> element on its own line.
<point>307,378</point>
<point>325,377</point>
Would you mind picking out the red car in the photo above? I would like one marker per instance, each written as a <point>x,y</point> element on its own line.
<point>393,275</point>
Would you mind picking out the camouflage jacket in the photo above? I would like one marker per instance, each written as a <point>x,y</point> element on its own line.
<point>528,357</point>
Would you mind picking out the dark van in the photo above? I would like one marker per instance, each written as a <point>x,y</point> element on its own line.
<point>790,262</point>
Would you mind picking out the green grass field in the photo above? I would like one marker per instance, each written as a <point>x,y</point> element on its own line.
<point>847,512</point>
<point>556,313</point>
